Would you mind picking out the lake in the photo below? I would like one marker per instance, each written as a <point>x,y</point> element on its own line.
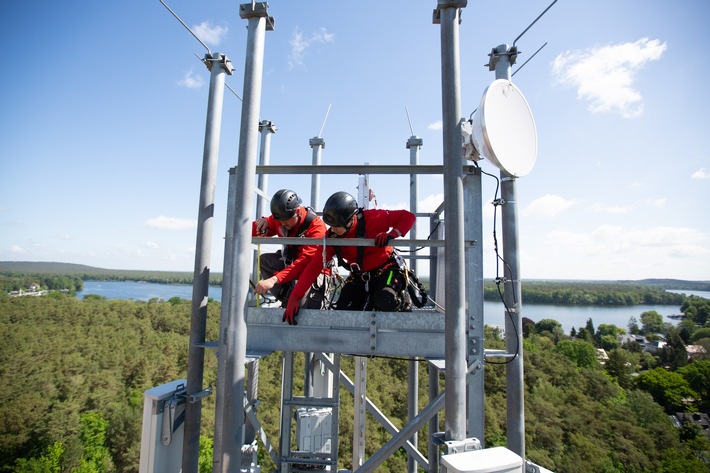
<point>493,312</point>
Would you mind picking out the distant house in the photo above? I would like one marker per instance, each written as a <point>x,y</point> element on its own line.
<point>602,356</point>
<point>698,418</point>
<point>640,339</point>
<point>629,338</point>
<point>695,352</point>
<point>648,346</point>
<point>654,346</point>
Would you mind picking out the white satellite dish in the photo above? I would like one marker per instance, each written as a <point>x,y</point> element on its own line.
<point>504,129</point>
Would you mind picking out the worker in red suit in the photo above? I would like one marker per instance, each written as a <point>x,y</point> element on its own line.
<point>281,271</point>
<point>377,281</point>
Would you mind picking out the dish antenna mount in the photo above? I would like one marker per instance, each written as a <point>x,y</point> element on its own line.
<point>502,129</point>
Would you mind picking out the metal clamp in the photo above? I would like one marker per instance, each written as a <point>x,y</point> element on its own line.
<point>193,398</point>
<point>172,420</point>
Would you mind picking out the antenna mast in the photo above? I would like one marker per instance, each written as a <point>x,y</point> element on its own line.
<point>187,27</point>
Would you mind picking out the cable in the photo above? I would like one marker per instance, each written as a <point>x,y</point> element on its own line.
<point>428,238</point>
<point>401,358</point>
<point>499,259</point>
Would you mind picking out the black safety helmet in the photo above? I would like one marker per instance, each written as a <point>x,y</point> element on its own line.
<point>339,209</point>
<point>284,204</point>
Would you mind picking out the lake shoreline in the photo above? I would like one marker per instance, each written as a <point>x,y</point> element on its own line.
<point>568,315</point>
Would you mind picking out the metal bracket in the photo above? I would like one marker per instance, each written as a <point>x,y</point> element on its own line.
<point>436,17</point>
<point>495,55</point>
<point>513,310</point>
<point>172,420</point>
<point>475,366</point>
<point>193,398</point>
<point>257,10</point>
<point>317,141</point>
<point>222,60</point>
<point>472,170</point>
<point>456,446</point>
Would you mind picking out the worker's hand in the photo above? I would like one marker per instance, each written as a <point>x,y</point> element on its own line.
<point>292,308</point>
<point>383,238</point>
<point>265,285</point>
<point>261,225</point>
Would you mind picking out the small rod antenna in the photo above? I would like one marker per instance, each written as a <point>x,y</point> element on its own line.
<point>470,117</point>
<point>187,27</point>
<point>526,29</point>
<point>227,86</point>
<point>320,133</point>
<point>409,120</point>
<point>523,64</point>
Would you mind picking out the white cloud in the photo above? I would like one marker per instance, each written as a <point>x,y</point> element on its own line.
<point>604,76</point>
<point>701,173</point>
<point>191,80</point>
<point>171,223</point>
<point>614,210</point>
<point>629,252</point>
<point>659,202</point>
<point>152,245</point>
<point>17,249</point>
<point>430,203</point>
<point>210,34</point>
<point>299,45</point>
<point>548,206</point>
<point>436,126</point>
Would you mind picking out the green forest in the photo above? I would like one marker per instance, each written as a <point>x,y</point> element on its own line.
<point>75,372</point>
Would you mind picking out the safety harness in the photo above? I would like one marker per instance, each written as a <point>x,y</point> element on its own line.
<point>356,268</point>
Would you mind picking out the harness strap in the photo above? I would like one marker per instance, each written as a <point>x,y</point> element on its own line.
<point>420,288</point>
<point>308,219</point>
<point>359,233</point>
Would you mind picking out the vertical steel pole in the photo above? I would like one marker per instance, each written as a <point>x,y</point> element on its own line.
<point>266,128</point>
<point>433,450</point>
<point>413,407</point>
<point>242,256</point>
<point>221,401</point>
<point>413,143</point>
<point>455,395</point>
<point>359,408</point>
<point>435,226</point>
<point>218,64</point>
<point>473,203</point>
<point>512,294</point>
<point>317,144</point>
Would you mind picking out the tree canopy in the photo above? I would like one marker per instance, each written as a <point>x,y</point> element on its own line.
<point>77,371</point>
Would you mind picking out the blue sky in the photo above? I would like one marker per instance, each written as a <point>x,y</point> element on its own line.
<point>103,108</point>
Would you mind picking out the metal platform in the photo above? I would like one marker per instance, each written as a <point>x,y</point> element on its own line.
<point>420,333</point>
